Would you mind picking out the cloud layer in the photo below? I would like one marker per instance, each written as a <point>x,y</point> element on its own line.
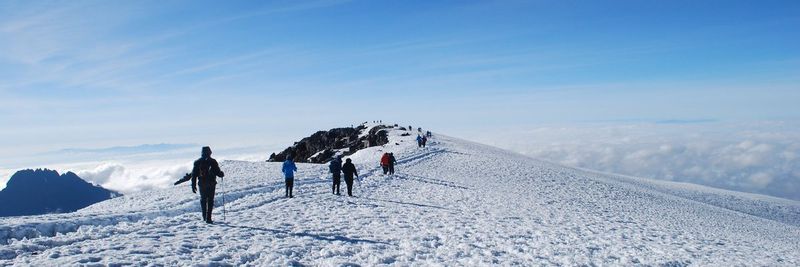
<point>134,177</point>
<point>139,175</point>
<point>761,157</point>
<point>129,171</point>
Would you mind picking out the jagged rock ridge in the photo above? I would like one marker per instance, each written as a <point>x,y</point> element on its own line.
<point>321,146</point>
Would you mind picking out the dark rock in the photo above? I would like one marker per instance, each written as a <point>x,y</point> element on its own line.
<point>42,191</point>
<point>377,136</point>
<point>321,146</point>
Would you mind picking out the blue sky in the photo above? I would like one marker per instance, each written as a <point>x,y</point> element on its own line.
<point>94,74</point>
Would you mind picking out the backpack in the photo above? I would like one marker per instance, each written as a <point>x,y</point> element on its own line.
<point>204,169</point>
<point>385,159</point>
<point>335,166</point>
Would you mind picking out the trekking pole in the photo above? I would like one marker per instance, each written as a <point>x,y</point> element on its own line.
<point>223,201</point>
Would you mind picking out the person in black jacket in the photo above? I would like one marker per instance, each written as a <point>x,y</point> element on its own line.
<point>392,161</point>
<point>336,169</point>
<point>349,170</point>
<point>206,169</point>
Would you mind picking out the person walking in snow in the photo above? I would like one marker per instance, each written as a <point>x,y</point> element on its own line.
<point>349,171</point>
<point>206,170</point>
<point>336,169</point>
<point>392,161</point>
<point>288,172</point>
<point>424,141</point>
<point>419,141</point>
<point>385,163</point>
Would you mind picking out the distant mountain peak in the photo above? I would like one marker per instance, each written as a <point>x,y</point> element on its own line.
<point>42,191</point>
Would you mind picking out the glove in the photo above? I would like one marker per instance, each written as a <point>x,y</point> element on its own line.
<point>221,174</point>
<point>194,189</point>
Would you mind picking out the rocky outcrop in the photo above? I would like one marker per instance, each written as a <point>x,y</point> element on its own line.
<point>321,146</point>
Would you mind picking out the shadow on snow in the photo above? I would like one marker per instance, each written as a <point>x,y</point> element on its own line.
<point>321,237</point>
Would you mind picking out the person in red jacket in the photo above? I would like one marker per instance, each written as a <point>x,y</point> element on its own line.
<point>385,163</point>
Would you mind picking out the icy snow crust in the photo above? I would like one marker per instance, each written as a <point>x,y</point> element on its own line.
<point>452,203</point>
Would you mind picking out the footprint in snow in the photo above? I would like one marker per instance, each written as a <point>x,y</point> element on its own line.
<point>90,260</point>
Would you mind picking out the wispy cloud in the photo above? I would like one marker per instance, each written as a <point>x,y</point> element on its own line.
<point>685,121</point>
<point>79,45</point>
<point>146,148</point>
<point>74,45</point>
<point>295,6</point>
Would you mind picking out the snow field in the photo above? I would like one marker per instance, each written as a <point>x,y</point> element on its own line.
<point>453,203</point>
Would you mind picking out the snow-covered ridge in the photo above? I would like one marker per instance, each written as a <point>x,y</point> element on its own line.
<point>452,203</point>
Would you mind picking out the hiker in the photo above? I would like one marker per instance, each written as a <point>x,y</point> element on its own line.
<point>429,134</point>
<point>419,141</point>
<point>349,170</point>
<point>336,169</point>
<point>206,169</point>
<point>424,141</point>
<point>392,161</point>
<point>385,163</point>
<point>288,171</point>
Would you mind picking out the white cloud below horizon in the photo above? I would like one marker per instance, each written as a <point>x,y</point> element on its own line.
<point>759,158</point>
<point>142,171</point>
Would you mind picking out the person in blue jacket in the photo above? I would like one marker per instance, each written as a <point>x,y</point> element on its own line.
<point>419,141</point>
<point>336,169</point>
<point>288,172</point>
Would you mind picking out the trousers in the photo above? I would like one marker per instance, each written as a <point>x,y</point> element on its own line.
<point>207,200</point>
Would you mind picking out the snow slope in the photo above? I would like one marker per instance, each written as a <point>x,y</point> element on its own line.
<point>452,203</point>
